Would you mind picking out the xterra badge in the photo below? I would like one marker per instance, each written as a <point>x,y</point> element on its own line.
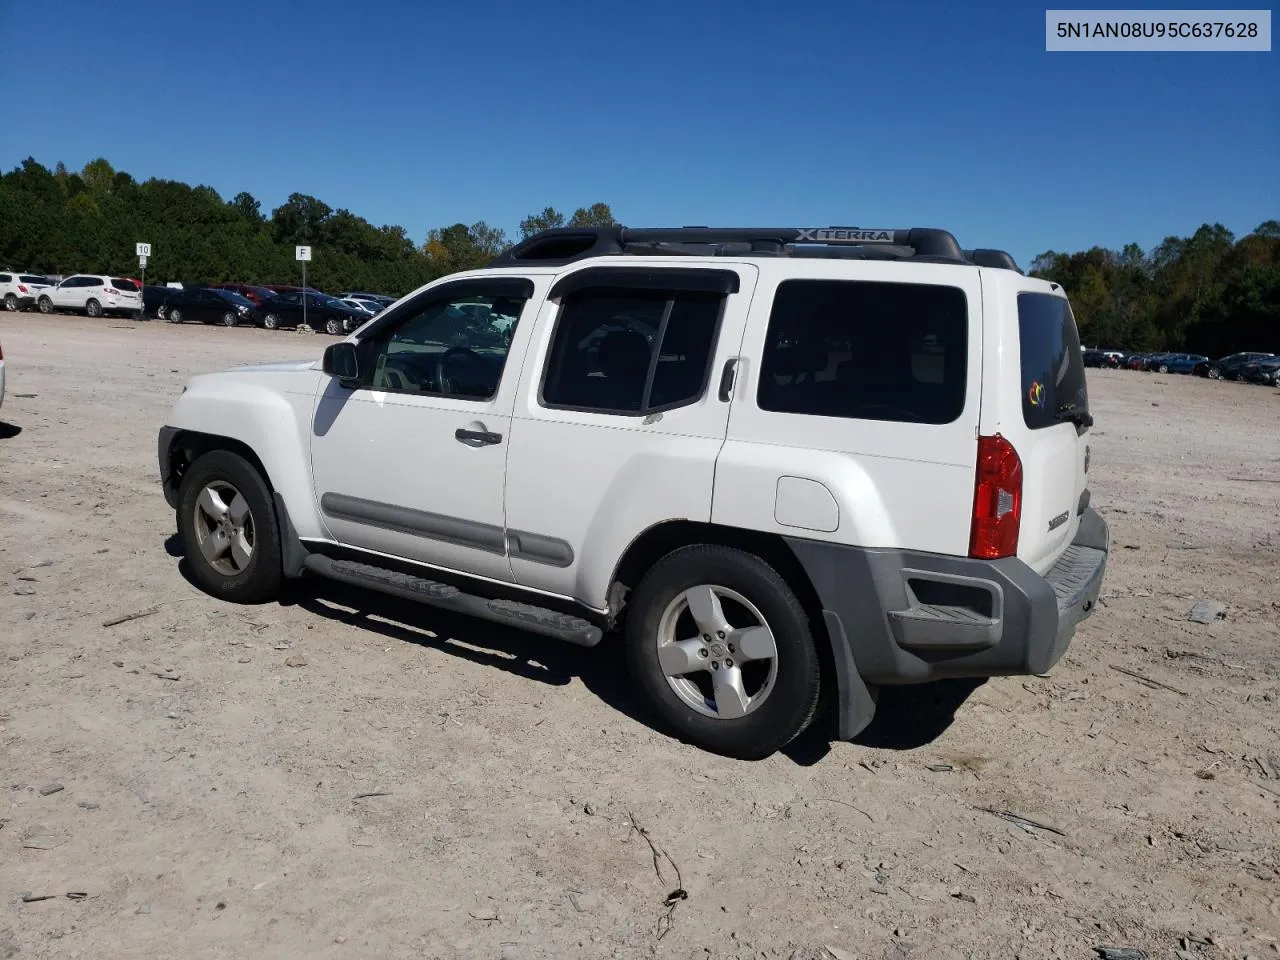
<point>1059,520</point>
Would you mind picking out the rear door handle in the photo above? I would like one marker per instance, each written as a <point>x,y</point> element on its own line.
<point>726,379</point>
<point>476,438</point>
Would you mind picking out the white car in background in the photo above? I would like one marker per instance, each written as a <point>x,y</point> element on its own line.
<point>94,294</point>
<point>368,310</point>
<point>21,290</point>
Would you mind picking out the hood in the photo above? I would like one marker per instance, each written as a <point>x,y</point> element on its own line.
<point>280,366</point>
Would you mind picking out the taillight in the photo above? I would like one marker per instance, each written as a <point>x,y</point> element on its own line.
<point>21,288</point>
<point>997,500</point>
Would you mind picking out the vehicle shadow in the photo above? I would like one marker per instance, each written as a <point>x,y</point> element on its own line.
<point>9,430</point>
<point>906,717</point>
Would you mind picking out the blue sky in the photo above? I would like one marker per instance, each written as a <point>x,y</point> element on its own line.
<point>750,113</point>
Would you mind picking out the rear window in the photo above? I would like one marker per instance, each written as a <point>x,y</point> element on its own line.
<point>128,286</point>
<point>26,279</point>
<point>866,351</point>
<point>1053,384</point>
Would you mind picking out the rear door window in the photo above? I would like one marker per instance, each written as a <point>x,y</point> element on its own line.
<point>628,351</point>
<point>1053,379</point>
<point>866,350</point>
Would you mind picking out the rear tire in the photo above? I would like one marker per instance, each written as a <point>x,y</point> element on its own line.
<point>11,303</point>
<point>1215,373</point>
<point>238,563</point>
<point>175,316</point>
<point>766,685</point>
<point>229,319</point>
<point>93,308</point>
<point>271,322</point>
<point>1163,368</point>
<point>333,327</point>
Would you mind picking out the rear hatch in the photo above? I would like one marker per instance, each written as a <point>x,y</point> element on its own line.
<point>1052,438</point>
<point>126,289</point>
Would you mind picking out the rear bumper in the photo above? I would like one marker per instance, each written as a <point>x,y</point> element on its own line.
<point>898,617</point>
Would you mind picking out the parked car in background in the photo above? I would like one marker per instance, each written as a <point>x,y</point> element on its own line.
<point>381,300</point>
<point>289,288</point>
<point>93,294</point>
<point>1228,367</point>
<point>1265,371</point>
<point>322,312</point>
<point>21,290</point>
<point>153,300</point>
<point>1136,361</point>
<point>1179,362</point>
<point>208,305</point>
<point>1112,359</point>
<point>250,291</point>
<point>369,307</point>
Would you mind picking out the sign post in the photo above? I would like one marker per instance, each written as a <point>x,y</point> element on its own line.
<point>302,255</point>
<point>144,251</point>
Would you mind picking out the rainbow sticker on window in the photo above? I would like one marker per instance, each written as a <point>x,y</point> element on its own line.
<point>1035,395</point>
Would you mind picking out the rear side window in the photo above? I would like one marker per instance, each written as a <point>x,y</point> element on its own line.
<point>26,279</point>
<point>5,278</point>
<point>631,351</point>
<point>128,286</point>
<point>1053,384</point>
<point>866,351</point>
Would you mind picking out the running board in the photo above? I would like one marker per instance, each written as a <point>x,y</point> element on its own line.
<point>521,616</point>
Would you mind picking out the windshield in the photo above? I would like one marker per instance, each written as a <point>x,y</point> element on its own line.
<point>233,297</point>
<point>1053,380</point>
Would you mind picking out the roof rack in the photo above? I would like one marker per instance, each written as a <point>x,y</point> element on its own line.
<point>564,245</point>
<point>992,258</point>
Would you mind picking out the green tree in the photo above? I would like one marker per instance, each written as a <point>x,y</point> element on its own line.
<point>549,219</point>
<point>596,215</point>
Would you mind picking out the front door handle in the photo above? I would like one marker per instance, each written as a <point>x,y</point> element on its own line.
<point>476,438</point>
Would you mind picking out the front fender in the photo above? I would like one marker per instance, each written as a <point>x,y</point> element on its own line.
<point>273,420</point>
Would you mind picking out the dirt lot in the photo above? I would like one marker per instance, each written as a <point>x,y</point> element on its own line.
<point>347,776</point>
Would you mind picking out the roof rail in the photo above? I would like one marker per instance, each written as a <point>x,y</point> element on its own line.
<point>566,244</point>
<point>992,258</point>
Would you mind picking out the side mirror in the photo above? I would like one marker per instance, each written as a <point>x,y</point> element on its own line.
<point>340,361</point>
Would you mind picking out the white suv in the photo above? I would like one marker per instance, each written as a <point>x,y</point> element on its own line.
<point>21,290</point>
<point>93,294</point>
<point>779,462</point>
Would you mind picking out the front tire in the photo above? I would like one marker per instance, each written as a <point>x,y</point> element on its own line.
<point>723,651</point>
<point>229,529</point>
<point>45,305</point>
<point>271,322</point>
<point>1163,368</point>
<point>175,316</point>
<point>93,308</point>
<point>229,319</point>
<point>333,327</point>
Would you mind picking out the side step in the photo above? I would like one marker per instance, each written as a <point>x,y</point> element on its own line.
<point>521,616</point>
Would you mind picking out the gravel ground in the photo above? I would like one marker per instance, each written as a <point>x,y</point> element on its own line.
<point>343,775</point>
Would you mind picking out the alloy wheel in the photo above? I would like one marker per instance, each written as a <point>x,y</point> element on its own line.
<point>717,652</point>
<point>224,528</point>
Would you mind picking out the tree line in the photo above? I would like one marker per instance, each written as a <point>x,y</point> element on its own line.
<point>60,222</point>
<point>1209,293</point>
